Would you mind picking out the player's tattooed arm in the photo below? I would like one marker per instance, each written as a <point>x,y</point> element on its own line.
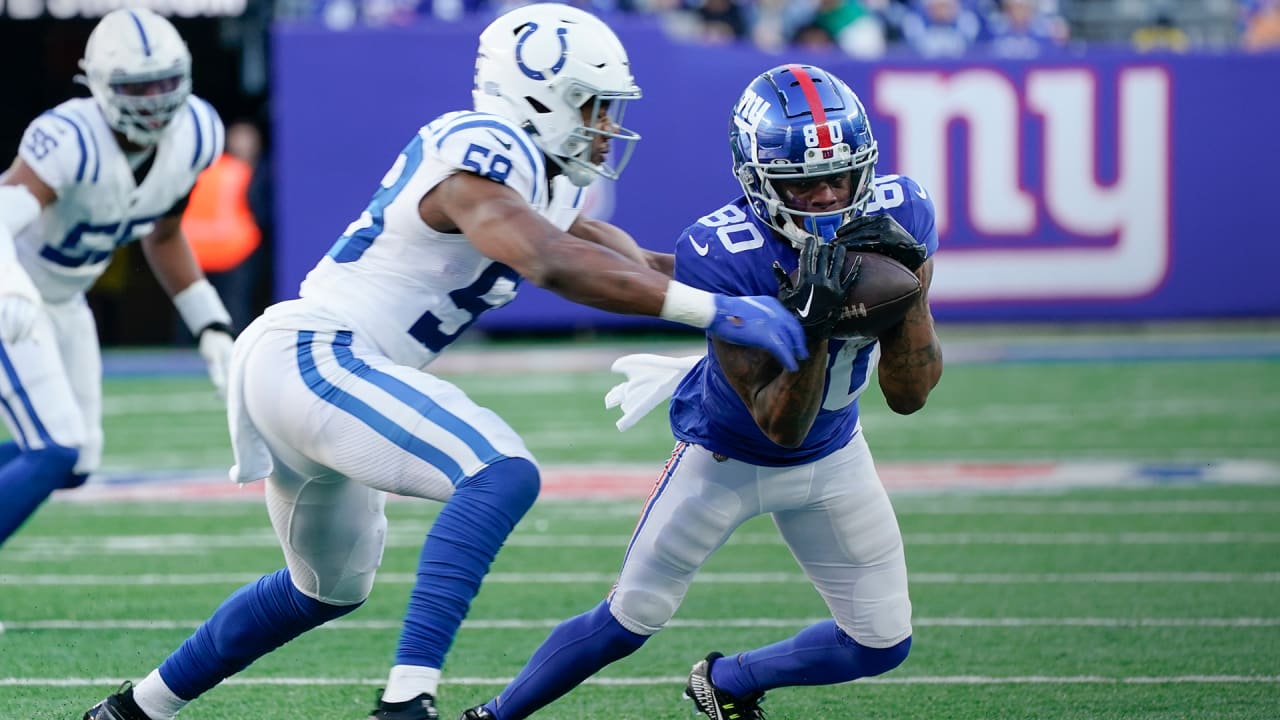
<point>910,354</point>
<point>784,404</point>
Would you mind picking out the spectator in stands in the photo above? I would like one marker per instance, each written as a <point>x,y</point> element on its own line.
<point>814,37</point>
<point>775,23</point>
<point>858,32</point>
<point>1021,30</point>
<point>722,21</point>
<point>941,28</point>
<point>1161,34</point>
<point>1262,26</point>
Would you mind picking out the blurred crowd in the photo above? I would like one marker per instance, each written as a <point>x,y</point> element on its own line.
<point>858,28</point>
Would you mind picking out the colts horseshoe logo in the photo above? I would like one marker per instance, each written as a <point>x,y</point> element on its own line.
<point>525,33</point>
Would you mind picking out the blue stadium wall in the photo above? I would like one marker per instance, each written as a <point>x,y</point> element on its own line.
<point>1106,186</point>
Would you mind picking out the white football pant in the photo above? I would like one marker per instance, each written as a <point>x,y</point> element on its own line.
<point>344,426</point>
<point>51,383</point>
<point>833,514</point>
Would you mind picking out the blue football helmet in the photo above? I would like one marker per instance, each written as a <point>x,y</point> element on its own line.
<point>799,122</point>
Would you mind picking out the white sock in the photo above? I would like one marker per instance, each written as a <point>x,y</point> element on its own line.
<point>156,699</point>
<point>406,682</point>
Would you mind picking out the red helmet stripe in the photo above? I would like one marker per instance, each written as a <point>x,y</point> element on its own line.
<point>815,104</point>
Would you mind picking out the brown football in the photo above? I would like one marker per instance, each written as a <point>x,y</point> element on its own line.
<point>879,298</point>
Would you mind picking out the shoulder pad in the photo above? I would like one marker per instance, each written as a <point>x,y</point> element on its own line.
<point>201,130</point>
<point>492,147</point>
<point>61,148</point>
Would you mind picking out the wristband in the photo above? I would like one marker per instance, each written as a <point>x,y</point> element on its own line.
<point>688,305</point>
<point>200,307</point>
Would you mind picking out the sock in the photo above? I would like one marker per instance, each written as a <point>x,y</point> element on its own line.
<point>27,479</point>
<point>406,682</point>
<point>155,698</point>
<point>8,451</point>
<point>250,623</point>
<point>574,651</point>
<point>821,654</point>
<point>457,553</point>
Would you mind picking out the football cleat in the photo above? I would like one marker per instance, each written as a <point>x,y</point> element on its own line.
<point>118,706</point>
<point>716,703</point>
<point>478,712</point>
<point>422,707</point>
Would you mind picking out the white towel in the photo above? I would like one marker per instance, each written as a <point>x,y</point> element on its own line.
<point>651,379</point>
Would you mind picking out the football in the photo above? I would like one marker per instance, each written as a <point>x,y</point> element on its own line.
<point>879,298</point>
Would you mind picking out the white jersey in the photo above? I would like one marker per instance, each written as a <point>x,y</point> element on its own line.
<point>408,289</point>
<point>100,206</point>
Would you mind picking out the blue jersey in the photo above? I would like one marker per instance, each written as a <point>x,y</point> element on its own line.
<point>732,251</point>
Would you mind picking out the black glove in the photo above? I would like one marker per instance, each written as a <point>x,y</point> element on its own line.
<point>881,234</point>
<point>816,297</point>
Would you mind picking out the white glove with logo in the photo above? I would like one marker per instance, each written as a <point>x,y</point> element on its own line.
<point>650,380</point>
<point>215,348</point>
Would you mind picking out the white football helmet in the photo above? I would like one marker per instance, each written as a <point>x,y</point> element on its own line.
<point>139,71</point>
<point>539,65</point>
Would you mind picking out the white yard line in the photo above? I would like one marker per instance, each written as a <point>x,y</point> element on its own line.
<point>723,578</point>
<point>35,549</point>
<point>681,679</point>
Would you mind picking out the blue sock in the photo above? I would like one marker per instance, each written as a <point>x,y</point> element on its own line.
<point>8,451</point>
<point>27,479</point>
<point>821,654</point>
<point>574,651</point>
<point>253,621</point>
<point>457,553</point>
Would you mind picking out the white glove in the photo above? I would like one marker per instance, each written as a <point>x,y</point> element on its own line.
<point>215,348</point>
<point>650,380</point>
<point>18,314</point>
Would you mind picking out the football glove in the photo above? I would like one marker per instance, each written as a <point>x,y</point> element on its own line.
<point>760,321</point>
<point>881,234</point>
<point>816,297</point>
<point>215,347</point>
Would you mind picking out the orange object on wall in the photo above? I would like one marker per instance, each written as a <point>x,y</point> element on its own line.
<point>217,221</point>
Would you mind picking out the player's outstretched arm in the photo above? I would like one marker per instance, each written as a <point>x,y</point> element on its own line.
<point>910,354</point>
<point>620,241</point>
<point>175,267</point>
<point>500,224</point>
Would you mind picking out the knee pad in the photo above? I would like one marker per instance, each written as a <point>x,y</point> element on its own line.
<point>56,461</point>
<point>509,485</point>
<point>877,661</point>
<point>642,611</point>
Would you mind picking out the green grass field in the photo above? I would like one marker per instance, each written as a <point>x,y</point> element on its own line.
<point>1147,600</point>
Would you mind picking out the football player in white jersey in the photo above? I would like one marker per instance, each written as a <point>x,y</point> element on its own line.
<point>91,175</point>
<point>329,397</point>
<point>756,438</point>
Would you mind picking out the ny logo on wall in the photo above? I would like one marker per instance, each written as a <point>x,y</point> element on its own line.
<point>1120,228</point>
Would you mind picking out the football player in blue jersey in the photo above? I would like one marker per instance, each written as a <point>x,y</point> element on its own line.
<point>330,398</point>
<point>754,437</point>
<point>91,175</point>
